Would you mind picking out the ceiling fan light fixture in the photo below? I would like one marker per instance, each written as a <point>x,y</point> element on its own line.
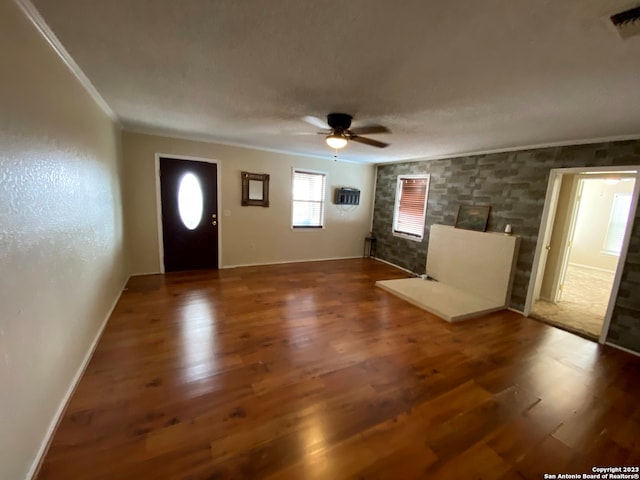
<point>336,140</point>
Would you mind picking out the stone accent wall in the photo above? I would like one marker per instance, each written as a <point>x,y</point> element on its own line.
<point>515,185</point>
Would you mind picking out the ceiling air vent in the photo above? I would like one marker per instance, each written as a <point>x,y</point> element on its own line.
<point>628,22</point>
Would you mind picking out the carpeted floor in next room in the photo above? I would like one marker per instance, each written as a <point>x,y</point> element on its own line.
<point>584,302</point>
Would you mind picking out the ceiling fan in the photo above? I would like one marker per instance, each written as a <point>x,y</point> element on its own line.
<point>340,134</point>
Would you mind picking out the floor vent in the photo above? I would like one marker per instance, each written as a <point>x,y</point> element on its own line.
<point>628,22</point>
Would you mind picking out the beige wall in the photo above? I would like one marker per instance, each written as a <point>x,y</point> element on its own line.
<point>593,222</point>
<point>250,235</point>
<point>61,237</point>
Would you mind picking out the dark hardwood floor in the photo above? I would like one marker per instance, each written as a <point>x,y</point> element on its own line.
<point>307,371</point>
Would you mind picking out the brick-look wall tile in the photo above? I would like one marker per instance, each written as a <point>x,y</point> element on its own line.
<point>515,185</point>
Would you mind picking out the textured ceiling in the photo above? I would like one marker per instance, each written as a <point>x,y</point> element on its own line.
<point>445,77</point>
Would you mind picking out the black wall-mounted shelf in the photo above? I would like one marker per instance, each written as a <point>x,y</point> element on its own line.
<point>347,196</point>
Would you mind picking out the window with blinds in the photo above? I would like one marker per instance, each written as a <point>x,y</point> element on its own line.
<point>617,223</point>
<point>308,199</point>
<point>411,206</point>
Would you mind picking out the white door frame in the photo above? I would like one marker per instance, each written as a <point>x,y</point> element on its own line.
<point>159,202</point>
<point>545,223</point>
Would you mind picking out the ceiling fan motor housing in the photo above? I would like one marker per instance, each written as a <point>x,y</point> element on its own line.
<point>339,121</point>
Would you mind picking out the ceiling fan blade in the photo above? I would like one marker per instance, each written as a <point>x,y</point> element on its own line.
<point>316,122</point>
<point>370,130</point>
<point>368,141</point>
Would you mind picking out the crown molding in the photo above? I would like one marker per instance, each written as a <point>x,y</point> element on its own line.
<point>563,143</point>
<point>159,132</point>
<point>38,21</point>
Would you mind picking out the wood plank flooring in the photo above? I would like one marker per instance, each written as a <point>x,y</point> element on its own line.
<point>307,371</point>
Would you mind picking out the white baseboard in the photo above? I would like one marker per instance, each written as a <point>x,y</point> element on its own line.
<point>286,261</point>
<point>142,274</point>
<point>55,421</point>
<point>261,264</point>
<point>622,348</point>
<point>544,299</point>
<point>589,267</point>
<point>396,266</point>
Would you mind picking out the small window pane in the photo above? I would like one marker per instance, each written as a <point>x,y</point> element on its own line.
<point>308,199</point>
<point>411,206</point>
<point>617,223</point>
<point>190,201</point>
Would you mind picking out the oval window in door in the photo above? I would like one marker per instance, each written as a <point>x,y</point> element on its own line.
<point>190,201</point>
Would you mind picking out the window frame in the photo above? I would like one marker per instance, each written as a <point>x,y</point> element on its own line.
<point>322,202</point>
<point>611,224</point>
<point>396,206</point>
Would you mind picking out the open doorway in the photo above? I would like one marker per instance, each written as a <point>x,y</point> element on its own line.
<point>582,245</point>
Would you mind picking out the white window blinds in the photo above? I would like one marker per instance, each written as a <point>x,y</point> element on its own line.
<point>411,206</point>
<point>617,223</point>
<point>308,199</point>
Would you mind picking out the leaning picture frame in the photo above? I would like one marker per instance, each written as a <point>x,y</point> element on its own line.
<point>473,217</point>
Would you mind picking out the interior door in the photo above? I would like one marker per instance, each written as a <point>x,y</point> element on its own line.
<point>544,254</point>
<point>567,247</point>
<point>189,201</point>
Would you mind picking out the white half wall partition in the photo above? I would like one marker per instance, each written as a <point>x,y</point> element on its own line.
<point>470,274</point>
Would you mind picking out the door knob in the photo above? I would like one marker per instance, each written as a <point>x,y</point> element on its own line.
<point>548,247</point>
<point>213,215</point>
<point>214,223</point>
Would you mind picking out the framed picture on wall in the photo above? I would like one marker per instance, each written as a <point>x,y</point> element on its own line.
<point>255,189</point>
<point>473,217</point>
